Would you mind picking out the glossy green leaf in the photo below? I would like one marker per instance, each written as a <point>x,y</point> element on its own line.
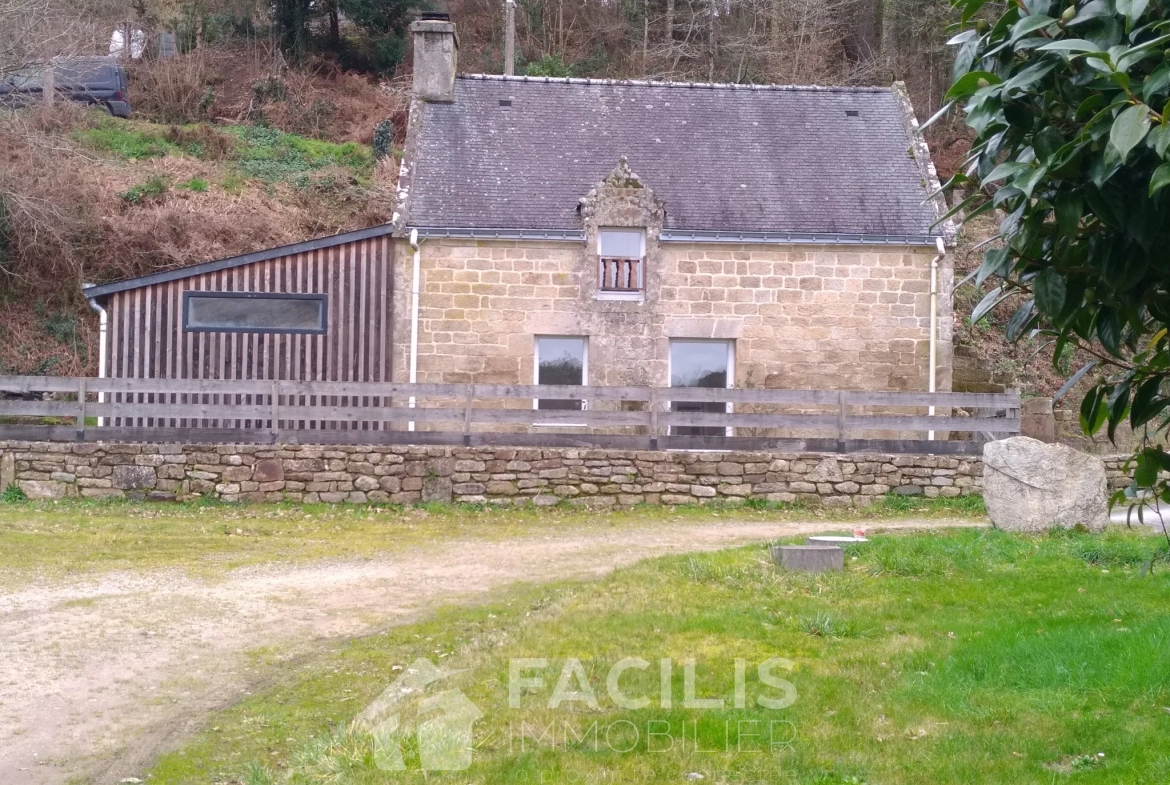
<point>1028,181</point>
<point>1049,288</point>
<point>970,8</point>
<point>1006,169</point>
<point>1071,382</point>
<point>1160,179</point>
<point>1092,413</point>
<point>1046,142</point>
<point>1145,473</point>
<point>988,303</point>
<point>996,261</point>
<point>1157,82</point>
<point>1147,403</point>
<point>1030,24</point>
<point>1159,139</point>
<point>1028,76</point>
<point>1021,320</point>
<point>970,82</point>
<point>1109,330</point>
<point>1129,128</point>
<point>1068,213</point>
<point>1118,407</point>
<point>1132,9</point>
<point>1069,45</point>
<point>941,113</point>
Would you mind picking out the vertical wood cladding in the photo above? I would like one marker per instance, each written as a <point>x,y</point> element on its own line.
<point>147,338</point>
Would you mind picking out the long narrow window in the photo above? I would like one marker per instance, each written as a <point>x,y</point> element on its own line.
<point>621,270</point>
<point>701,364</point>
<point>254,312</point>
<point>561,360</point>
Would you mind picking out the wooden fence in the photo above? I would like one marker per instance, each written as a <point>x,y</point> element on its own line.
<point>270,412</point>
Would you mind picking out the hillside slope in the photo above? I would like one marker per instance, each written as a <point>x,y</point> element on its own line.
<point>89,198</point>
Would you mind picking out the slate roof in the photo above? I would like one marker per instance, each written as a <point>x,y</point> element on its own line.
<point>728,158</point>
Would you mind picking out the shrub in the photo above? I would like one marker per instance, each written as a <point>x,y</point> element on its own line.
<point>61,326</point>
<point>201,141</point>
<point>268,90</point>
<point>148,191</point>
<point>172,90</point>
<point>383,139</point>
<point>549,65</point>
<point>12,494</point>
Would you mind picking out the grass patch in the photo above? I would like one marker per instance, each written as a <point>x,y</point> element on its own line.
<point>1012,659</point>
<point>197,185</point>
<point>250,152</point>
<point>145,192</point>
<point>130,140</point>
<point>272,156</point>
<point>54,538</point>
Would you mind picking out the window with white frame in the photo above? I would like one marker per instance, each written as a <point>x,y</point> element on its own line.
<point>561,360</point>
<point>701,363</point>
<point>621,263</point>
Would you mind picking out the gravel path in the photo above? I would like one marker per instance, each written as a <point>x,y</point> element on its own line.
<point>99,677</point>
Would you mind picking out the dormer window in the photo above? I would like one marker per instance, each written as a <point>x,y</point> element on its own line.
<point>621,263</point>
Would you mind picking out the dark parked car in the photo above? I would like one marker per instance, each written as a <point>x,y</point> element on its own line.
<point>87,80</point>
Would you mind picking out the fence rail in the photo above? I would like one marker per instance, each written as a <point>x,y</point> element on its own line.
<point>268,411</point>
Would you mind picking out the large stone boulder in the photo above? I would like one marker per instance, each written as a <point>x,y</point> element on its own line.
<point>1031,486</point>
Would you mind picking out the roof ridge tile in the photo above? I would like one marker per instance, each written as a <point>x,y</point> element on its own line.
<point>571,80</point>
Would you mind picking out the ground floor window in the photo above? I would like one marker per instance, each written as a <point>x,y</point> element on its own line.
<point>561,360</point>
<point>698,363</point>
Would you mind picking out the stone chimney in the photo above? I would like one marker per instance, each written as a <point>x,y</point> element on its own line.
<point>436,57</point>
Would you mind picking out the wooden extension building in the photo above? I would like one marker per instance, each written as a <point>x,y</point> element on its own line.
<point>311,311</point>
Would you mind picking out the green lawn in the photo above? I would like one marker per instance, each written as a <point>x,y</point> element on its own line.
<point>69,537</point>
<point>968,656</point>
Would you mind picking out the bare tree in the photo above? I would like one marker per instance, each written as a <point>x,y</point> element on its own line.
<point>37,30</point>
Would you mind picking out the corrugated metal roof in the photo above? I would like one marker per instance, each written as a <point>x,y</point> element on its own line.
<point>520,152</point>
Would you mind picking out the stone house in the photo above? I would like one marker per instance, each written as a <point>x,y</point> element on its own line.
<point>582,231</point>
<point>596,232</point>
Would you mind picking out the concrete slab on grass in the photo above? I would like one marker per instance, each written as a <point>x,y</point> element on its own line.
<point>809,558</point>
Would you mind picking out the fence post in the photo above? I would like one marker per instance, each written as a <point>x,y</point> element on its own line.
<point>1013,412</point>
<point>275,411</point>
<point>467,415</point>
<point>653,418</point>
<point>81,409</point>
<point>840,421</point>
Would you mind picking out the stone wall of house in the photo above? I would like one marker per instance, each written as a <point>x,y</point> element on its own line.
<point>408,475</point>
<point>805,317</point>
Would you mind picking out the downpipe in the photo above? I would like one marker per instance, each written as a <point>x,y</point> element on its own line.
<point>414,295</point>
<point>933,380</point>
<point>103,331</point>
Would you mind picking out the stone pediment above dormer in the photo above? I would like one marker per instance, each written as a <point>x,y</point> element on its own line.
<point>621,198</point>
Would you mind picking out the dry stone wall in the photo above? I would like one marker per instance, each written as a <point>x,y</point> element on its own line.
<point>413,474</point>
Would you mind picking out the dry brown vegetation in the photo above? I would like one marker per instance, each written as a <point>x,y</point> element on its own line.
<point>67,218</point>
<point>253,83</point>
<point>65,215</point>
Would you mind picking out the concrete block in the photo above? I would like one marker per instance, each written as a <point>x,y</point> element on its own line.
<point>809,558</point>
